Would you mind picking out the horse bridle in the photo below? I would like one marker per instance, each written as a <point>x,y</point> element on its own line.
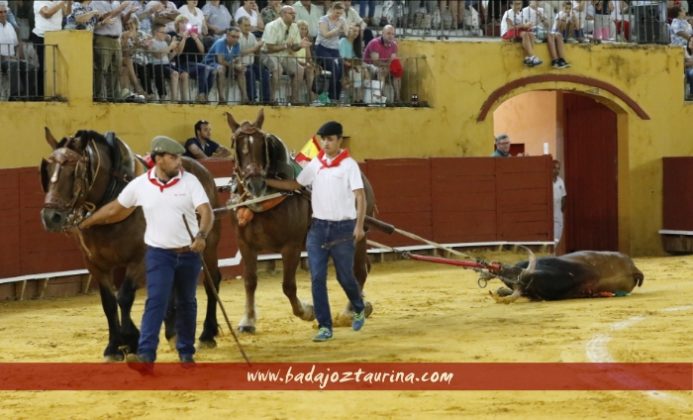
<point>77,207</point>
<point>240,173</point>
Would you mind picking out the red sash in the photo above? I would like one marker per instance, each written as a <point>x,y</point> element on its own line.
<point>335,162</point>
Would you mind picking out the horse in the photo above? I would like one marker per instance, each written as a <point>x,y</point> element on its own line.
<point>280,225</point>
<point>85,172</point>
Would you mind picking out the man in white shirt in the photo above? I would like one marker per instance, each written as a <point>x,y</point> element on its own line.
<point>559,195</point>
<point>11,62</point>
<point>166,193</point>
<point>339,211</point>
<point>48,16</point>
<point>311,13</point>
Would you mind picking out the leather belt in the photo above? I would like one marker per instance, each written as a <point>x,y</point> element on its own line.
<point>180,250</point>
<point>109,36</point>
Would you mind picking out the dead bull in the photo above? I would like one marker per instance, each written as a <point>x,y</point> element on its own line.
<point>576,275</point>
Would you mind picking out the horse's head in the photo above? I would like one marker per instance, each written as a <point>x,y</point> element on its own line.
<point>66,178</point>
<point>250,145</point>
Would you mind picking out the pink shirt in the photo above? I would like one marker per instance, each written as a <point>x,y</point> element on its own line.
<point>378,46</point>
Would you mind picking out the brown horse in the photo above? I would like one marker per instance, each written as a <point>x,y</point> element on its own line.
<point>282,228</point>
<point>83,173</point>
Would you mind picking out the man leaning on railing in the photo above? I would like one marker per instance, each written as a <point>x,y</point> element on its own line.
<point>22,75</point>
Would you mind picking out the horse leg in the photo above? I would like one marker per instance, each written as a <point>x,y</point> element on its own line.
<point>126,296</point>
<point>110,308</point>
<point>210,327</point>
<point>290,259</point>
<point>247,323</point>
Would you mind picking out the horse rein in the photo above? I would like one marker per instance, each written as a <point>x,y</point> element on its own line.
<point>248,130</point>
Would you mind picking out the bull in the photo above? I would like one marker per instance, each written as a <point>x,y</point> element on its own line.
<point>576,275</point>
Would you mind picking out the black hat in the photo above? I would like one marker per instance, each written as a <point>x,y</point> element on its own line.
<point>331,128</point>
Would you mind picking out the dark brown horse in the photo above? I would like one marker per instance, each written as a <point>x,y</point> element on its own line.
<point>284,227</point>
<point>83,173</point>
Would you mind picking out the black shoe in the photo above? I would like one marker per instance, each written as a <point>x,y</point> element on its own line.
<point>141,363</point>
<point>562,64</point>
<point>187,361</point>
<point>556,64</point>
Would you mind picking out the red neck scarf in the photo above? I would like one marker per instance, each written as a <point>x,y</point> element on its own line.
<point>335,162</point>
<point>151,175</point>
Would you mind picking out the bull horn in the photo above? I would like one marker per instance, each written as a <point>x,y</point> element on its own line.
<point>50,139</point>
<point>232,123</point>
<point>532,263</point>
<point>260,118</point>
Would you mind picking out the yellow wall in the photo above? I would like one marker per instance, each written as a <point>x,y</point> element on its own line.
<point>459,77</point>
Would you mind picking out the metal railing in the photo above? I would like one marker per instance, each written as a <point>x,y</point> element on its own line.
<point>643,22</point>
<point>27,78</point>
<point>197,78</point>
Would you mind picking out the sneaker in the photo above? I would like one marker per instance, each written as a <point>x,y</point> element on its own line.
<point>359,320</point>
<point>536,61</point>
<point>187,360</point>
<point>556,64</point>
<point>324,334</point>
<point>563,64</point>
<point>141,363</point>
<point>528,61</point>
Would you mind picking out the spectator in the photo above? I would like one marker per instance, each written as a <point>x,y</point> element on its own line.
<point>559,195</point>
<point>48,16</point>
<point>566,23</point>
<point>367,10</point>
<point>311,13</point>
<point>250,10</point>
<point>381,54</point>
<point>602,20</point>
<point>681,29</point>
<point>202,146</point>
<point>271,12</point>
<point>138,8</point>
<point>164,12</point>
<point>456,10</point>
<point>82,16</point>
<point>253,69</point>
<point>225,58</point>
<point>533,15</point>
<point>189,52</point>
<point>306,61</point>
<point>584,13</point>
<point>130,42</point>
<point>332,26</point>
<point>108,58</point>
<point>688,63</point>
<point>195,16</point>
<point>218,18</point>
<point>619,14</point>
<point>281,37</point>
<point>355,73</point>
<point>513,29</point>
<point>338,203</point>
<point>502,146</point>
<point>11,59</point>
<point>161,51</point>
<point>352,17</point>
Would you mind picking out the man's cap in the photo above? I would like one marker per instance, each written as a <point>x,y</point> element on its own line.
<point>163,144</point>
<point>501,137</point>
<point>331,128</point>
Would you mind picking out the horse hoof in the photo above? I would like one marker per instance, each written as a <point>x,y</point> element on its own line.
<point>343,320</point>
<point>308,313</point>
<point>172,342</point>
<point>368,308</point>
<point>207,344</point>
<point>246,329</point>
<point>112,358</point>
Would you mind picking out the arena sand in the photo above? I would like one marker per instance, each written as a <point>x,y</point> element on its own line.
<point>423,313</point>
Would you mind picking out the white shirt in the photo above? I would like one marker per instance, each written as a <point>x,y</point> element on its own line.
<point>43,25</point>
<point>246,43</point>
<point>333,196</point>
<point>510,14</point>
<point>558,193</point>
<point>8,40</point>
<point>533,16</point>
<point>197,20</point>
<point>163,206</point>
<point>252,16</point>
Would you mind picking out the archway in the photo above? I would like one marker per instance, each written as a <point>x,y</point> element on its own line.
<point>582,133</point>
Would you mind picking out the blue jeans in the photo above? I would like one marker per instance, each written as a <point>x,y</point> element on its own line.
<point>363,4</point>
<point>166,271</point>
<point>322,232</point>
<point>253,73</point>
<point>689,79</point>
<point>203,73</point>
<point>330,60</point>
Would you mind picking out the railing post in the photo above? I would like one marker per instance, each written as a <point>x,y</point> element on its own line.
<point>72,65</point>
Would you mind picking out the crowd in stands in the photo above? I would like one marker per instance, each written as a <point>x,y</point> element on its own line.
<point>300,52</point>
